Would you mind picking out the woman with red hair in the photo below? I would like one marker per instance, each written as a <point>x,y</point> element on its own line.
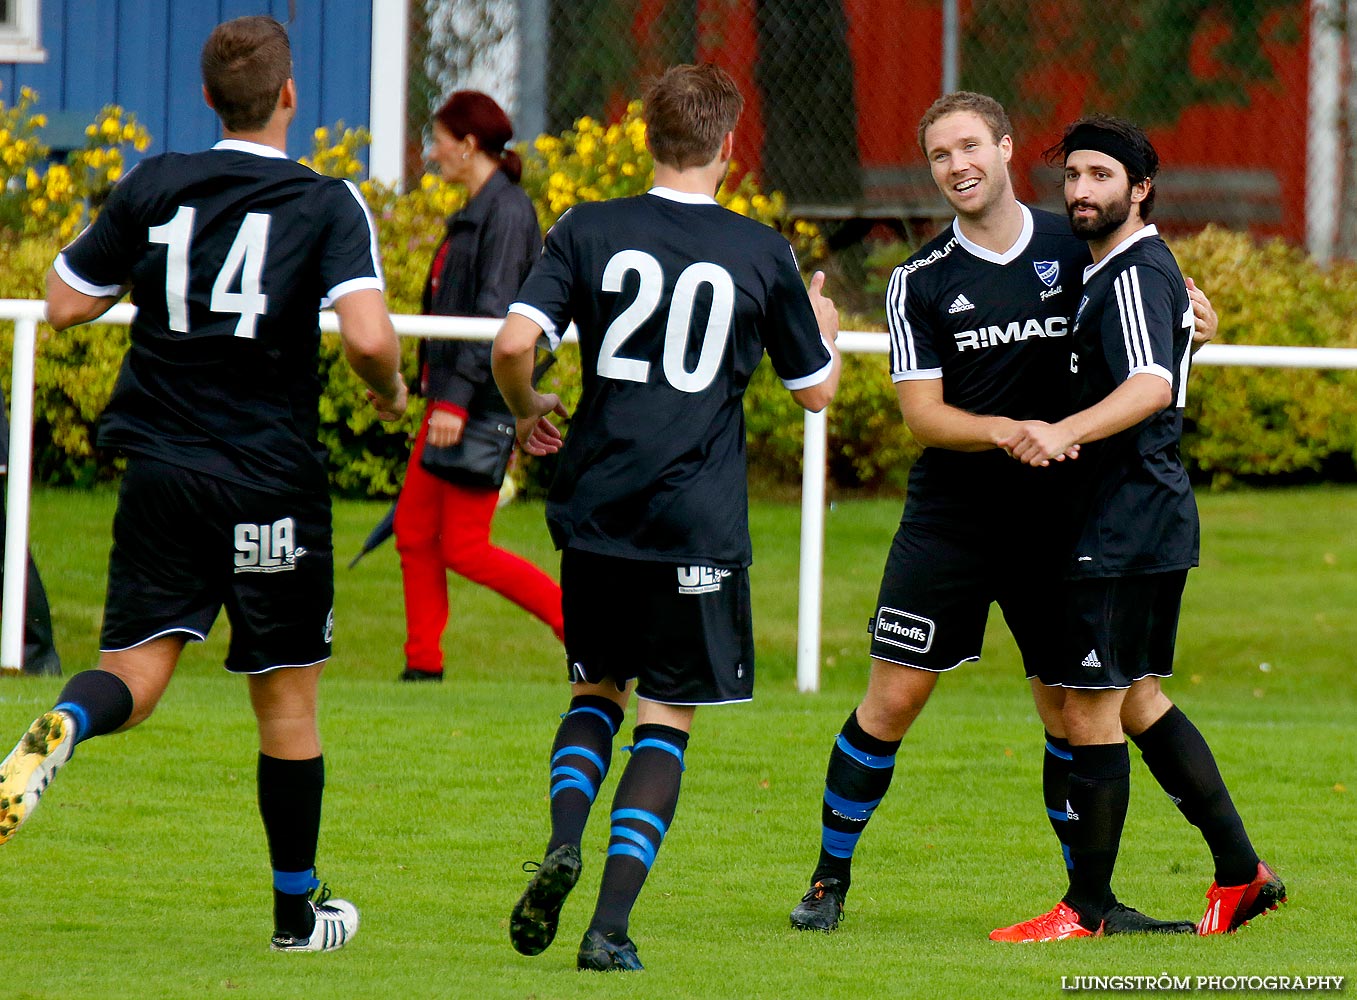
<point>489,247</point>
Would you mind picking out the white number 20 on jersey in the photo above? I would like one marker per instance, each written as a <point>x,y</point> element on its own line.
<point>678,328</point>
<point>244,262</point>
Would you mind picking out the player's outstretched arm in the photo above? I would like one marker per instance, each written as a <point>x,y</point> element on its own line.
<point>816,397</point>
<point>372,350</point>
<point>511,360</point>
<point>67,307</point>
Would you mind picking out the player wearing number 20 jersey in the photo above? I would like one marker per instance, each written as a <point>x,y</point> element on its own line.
<point>676,299</point>
<point>230,253</point>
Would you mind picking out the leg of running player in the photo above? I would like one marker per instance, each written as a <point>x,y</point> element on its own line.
<point>581,754</point>
<point>642,811</point>
<point>121,692</point>
<point>291,783</point>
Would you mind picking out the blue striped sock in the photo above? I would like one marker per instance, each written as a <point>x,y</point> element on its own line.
<point>580,757</point>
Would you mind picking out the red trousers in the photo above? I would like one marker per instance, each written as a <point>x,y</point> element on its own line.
<point>441,526</point>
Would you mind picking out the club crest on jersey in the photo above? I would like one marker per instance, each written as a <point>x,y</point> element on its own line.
<point>700,579</point>
<point>267,548</point>
<point>1048,271</point>
<point>900,628</point>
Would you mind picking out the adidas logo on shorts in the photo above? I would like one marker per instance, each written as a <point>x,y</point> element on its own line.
<point>960,304</point>
<point>1091,660</point>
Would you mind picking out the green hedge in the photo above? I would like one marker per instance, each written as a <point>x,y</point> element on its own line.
<point>1270,424</point>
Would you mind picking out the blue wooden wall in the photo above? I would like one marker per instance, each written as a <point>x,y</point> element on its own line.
<point>143,55</point>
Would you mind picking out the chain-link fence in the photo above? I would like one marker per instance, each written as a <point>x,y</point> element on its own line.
<point>835,89</point>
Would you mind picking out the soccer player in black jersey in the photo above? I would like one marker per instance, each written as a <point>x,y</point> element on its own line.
<point>1136,537</point>
<point>229,255</point>
<point>979,324</point>
<point>676,300</point>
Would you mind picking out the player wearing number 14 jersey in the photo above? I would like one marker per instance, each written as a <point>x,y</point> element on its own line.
<point>676,300</point>
<point>229,254</point>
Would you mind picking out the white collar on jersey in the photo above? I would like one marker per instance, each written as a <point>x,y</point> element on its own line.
<point>682,196</point>
<point>1140,234</point>
<point>257,148</point>
<point>1019,245</point>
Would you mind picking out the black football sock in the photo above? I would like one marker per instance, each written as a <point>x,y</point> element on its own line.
<point>643,809</point>
<point>860,770</point>
<point>1055,789</point>
<point>1100,790</point>
<point>98,701</point>
<point>289,803</point>
<point>580,757</point>
<point>1180,760</point>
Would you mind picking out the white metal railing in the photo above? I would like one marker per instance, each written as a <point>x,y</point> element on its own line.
<point>26,314</point>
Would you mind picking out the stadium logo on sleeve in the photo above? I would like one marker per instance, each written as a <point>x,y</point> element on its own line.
<point>1048,271</point>
<point>902,629</point>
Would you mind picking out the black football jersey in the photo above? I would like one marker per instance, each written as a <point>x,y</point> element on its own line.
<point>994,327</point>
<point>676,299</point>
<point>1138,514</point>
<point>230,254</point>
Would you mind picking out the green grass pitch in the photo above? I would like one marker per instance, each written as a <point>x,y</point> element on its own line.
<point>144,874</point>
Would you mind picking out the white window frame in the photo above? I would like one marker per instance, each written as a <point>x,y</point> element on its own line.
<point>21,36</point>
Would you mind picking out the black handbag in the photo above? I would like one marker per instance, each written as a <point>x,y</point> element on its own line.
<point>479,459</point>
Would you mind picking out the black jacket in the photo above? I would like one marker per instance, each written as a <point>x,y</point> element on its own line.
<point>492,244</point>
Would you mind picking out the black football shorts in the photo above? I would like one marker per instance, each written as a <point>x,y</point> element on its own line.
<point>941,578</point>
<point>1118,630</point>
<point>685,633</point>
<point>185,545</point>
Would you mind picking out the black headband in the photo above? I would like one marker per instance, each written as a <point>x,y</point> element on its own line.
<point>1095,137</point>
